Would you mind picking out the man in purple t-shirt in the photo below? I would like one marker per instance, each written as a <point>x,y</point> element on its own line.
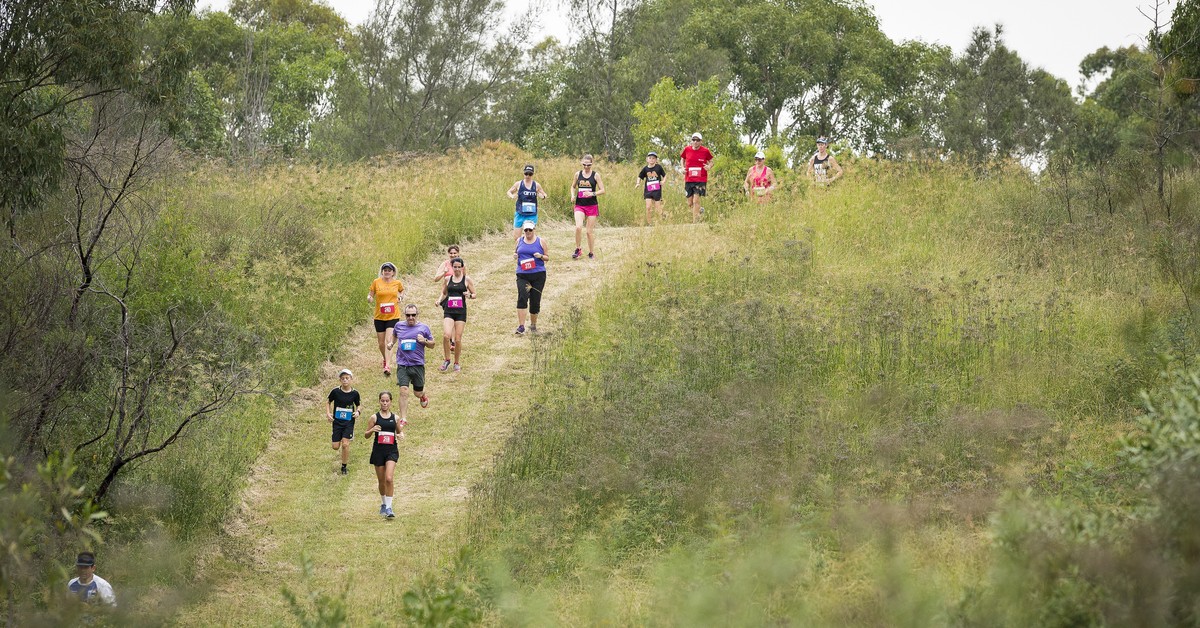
<point>411,339</point>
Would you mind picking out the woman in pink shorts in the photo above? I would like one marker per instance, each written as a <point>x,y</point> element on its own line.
<point>584,190</point>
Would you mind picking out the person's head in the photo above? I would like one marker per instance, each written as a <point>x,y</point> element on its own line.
<point>651,158</point>
<point>85,565</point>
<point>760,158</point>
<point>528,170</point>
<point>586,162</point>
<point>387,270</point>
<point>410,314</point>
<point>457,265</point>
<point>452,251</point>
<point>385,400</point>
<point>345,377</point>
<point>528,229</point>
<point>697,139</point>
<point>822,143</point>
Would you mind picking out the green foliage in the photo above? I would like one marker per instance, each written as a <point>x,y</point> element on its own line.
<point>672,114</point>
<point>312,608</point>
<point>434,604</point>
<point>1170,427</point>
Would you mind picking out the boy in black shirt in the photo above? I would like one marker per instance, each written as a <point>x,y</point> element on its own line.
<point>341,411</point>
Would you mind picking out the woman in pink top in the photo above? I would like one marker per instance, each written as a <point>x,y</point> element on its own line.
<point>760,181</point>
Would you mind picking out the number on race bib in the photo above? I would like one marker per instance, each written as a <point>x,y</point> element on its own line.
<point>528,209</point>
<point>454,303</point>
<point>408,344</point>
<point>386,438</point>
<point>653,186</point>
<point>387,308</point>
<point>694,171</point>
<point>528,263</point>
<point>343,414</point>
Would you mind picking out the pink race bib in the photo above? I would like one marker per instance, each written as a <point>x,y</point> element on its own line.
<point>387,308</point>
<point>653,186</point>
<point>585,193</point>
<point>528,264</point>
<point>454,303</point>
<point>694,171</point>
<point>386,438</point>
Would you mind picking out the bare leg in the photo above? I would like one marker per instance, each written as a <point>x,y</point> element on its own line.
<point>345,451</point>
<point>380,478</point>
<point>649,206</point>
<point>447,335</point>
<point>521,317</point>
<point>591,233</point>
<point>458,332</point>
<point>388,485</point>
<point>403,399</point>
<point>381,336</point>
<point>533,319</point>
<point>578,228</point>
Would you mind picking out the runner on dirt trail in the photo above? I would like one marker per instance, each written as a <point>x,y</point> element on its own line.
<point>443,270</point>
<point>456,289</point>
<point>531,277</point>
<point>653,174</point>
<point>759,181</point>
<point>585,189</point>
<point>526,193</point>
<point>411,339</point>
<point>822,163</point>
<point>341,410</point>
<point>385,293</point>
<point>696,161</point>
<point>388,431</point>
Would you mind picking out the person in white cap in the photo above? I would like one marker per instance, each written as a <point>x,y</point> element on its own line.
<point>653,174</point>
<point>822,163</point>
<point>759,181</point>
<point>531,259</point>
<point>696,161</point>
<point>341,410</point>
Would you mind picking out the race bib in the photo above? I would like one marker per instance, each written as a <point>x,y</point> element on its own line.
<point>387,308</point>
<point>585,193</point>
<point>528,264</point>
<point>528,209</point>
<point>386,438</point>
<point>343,414</point>
<point>454,303</point>
<point>694,171</point>
<point>408,344</point>
<point>653,186</point>
<point>760,190</point>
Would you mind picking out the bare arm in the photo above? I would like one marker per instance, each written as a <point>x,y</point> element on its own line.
<point>441,271</point>
<point>599,185</point>
<point>329,411</point>
<point>512,192</point>
<point>541,192</point>
<point>837,168</point>
<point>470,288</point>
<point>371,427</point>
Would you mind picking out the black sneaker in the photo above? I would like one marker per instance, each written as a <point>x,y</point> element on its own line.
<point>344,471</point>
<point>577,253</point>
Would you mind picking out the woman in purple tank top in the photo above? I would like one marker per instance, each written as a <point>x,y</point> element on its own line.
<point>531,276</point>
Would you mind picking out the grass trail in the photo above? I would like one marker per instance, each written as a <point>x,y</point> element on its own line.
<point>296,503</point>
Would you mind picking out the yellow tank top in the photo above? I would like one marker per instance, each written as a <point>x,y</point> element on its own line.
<point>387,298</point>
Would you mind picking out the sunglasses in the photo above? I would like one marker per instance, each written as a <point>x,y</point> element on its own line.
<point>526,231</point>
<point>407,315</point>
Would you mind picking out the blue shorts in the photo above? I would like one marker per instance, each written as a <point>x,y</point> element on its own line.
<point>519,219</point>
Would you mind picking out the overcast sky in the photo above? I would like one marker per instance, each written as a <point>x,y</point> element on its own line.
<point>1052,34</point>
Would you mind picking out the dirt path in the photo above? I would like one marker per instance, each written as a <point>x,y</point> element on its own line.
<point>296,503</point>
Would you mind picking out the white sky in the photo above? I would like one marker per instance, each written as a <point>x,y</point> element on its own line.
<point>1052,34</point>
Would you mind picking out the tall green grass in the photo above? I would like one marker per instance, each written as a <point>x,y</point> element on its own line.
<point>817,407</point>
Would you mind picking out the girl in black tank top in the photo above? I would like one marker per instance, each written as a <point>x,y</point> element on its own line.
<point>586,183</point>
<point>385,452</point>
<point>455,293</point>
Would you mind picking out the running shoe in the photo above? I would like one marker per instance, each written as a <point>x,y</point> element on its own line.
<point>344,471</point>
<point>382,510</point>
<point>445,365</point>
<point>591,256</point>
<point>520,330</point>
<point>533,329</point>
<point>424,401</point>
<point>577,253</point>
<point>457,368</point>
<point>387,512</point>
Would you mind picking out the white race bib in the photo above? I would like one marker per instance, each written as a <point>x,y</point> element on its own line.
<point>694,171</point>
<point>387,308</point>
<point>528,263</point>
<point>386,438</point>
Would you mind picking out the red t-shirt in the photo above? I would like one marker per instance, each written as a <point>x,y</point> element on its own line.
<point>694,160</point>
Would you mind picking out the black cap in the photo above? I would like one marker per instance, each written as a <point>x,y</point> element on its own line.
<point>387,265</point>
<point>528,168</point>
<point>85,559</point>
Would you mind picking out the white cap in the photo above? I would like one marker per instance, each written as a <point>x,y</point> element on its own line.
<point>345,372</point>
<point>528,224</point>
<point>697,136</point>
<point>760,155</point>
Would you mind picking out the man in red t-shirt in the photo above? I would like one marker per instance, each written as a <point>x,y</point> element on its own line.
<point>696,159</point>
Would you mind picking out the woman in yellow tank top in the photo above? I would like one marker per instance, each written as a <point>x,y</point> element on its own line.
<point>385,293</point>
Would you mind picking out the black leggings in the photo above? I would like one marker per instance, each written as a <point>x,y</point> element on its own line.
<point>529,291</point>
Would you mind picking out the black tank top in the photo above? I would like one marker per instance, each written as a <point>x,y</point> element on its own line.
<point>818,162</point>
<point>456,289</point>
<point>386,425</point>
<point>586,183</point>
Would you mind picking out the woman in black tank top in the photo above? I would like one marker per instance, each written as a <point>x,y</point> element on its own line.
<point>584,190</point>
<point>456,289</point>
<point>823,163</point>
<point>388,430</point>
